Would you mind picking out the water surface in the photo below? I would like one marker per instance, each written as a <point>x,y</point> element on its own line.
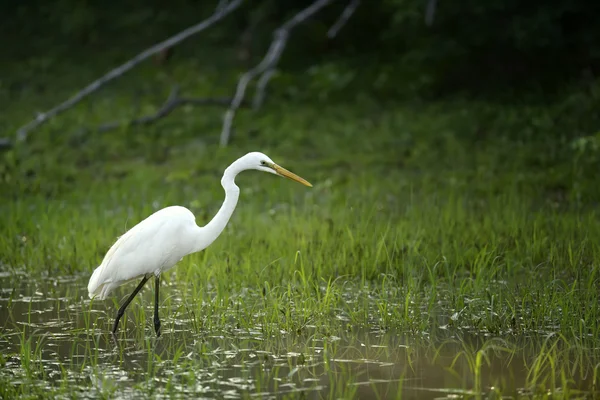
<point>55,337</point>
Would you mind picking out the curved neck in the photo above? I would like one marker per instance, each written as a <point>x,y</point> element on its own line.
<point>212,230</point>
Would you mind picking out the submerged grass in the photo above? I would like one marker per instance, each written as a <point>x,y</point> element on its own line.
<point>424,250</point>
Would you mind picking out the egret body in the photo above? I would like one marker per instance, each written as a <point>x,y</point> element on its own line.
<point>158,242</point>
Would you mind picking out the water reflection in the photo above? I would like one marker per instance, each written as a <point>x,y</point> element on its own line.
<point>54,336</point>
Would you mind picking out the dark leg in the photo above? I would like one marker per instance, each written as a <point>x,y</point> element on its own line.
<point>156,319</point>
<point>124,306</point>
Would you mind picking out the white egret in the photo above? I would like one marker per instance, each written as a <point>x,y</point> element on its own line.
<point>157,243</point>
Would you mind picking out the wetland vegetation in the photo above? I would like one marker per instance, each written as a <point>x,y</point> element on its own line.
<point>449,247</point>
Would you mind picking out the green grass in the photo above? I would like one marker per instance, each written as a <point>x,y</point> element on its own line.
<point>453,237</point>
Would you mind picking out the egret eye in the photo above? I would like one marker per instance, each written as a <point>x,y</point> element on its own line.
<point>263,163</point>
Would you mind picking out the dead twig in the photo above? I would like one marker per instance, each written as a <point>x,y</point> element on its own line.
<point>173,101</point>
<point>344,17</point>
<point>430,12</point>
<point>221,5</point>
<point>261,86</point>
<point>224,9</point>
<point>170,104</point>
<point>265,67</point>
<point>5,143</point>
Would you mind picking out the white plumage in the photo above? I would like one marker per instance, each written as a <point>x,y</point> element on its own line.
<point>158,242</point>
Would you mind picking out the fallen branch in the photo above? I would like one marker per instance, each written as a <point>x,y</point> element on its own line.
<point>221,5</point>
<point>173,101</point>
<point>261,86</point>
<point>265,67</point>
<point>223,9</point>
<point>430,12</point>
<point>170,104</point>
<point>344,17</point>
<point>5,143</point>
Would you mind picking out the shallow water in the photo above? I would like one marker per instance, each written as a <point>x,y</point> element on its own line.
<point>53,336</point>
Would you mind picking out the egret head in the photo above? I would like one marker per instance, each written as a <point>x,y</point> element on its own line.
<point>262,162</point>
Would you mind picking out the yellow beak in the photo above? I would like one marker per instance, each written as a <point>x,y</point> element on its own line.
<point>290,175</point>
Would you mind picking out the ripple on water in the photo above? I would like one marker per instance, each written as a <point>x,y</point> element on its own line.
<point>53,338</point>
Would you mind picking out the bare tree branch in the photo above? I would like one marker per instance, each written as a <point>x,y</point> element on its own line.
<point>430,12</point>
<point>266,65</point>
<point>269,68</point>
<point>259,95</point>
<point>5,143</point>
<point>221,6</point>
<point>261,85</point>
<point>173,101</point>
<point>115,73</point>
<point>344,17</point>
<point>271,57</point>
<point>170,104</point>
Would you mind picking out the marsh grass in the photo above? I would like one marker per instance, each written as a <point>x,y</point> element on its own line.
<point>422,250</point>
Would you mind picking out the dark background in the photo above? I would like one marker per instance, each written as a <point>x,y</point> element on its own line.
<point>488,48</point>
